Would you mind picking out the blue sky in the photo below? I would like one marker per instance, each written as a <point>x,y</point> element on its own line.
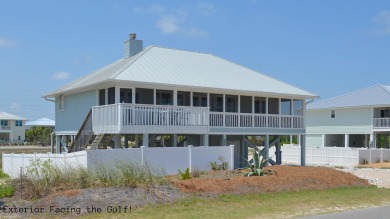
<point>326,47</point>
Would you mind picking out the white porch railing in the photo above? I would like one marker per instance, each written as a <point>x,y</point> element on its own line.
<point>219,119</point>
<point>141,118</point>
<point>382,122</point>
<point>5,127</point>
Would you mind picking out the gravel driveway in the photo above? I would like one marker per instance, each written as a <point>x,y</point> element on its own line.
<point>378,177</point>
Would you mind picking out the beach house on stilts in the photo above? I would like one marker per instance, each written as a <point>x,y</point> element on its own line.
<point>162,97</point>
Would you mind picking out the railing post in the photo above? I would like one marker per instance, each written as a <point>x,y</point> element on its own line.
<point>119,129</point>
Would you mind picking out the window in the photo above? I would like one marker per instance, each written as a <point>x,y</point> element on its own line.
<point>111,95</point>
<point>385,113</point>
<point>19,123</point>
<point>332,114</point>
<point>126,95</point>
<point>102,97</point>
<point>4,122</point>
<point>61,102</point>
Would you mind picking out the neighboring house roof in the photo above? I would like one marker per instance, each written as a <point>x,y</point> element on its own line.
<point>9,116</point>
<point>378,95</point>
<point>41,122</point>
<point>163,66</point>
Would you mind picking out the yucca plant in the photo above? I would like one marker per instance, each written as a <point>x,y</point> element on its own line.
<point>259,162</point>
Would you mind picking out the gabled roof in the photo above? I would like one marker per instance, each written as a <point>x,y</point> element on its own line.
<point>9,116</point>
<point>41,122</point>
<point>163,66</point>
<point>378,95</point>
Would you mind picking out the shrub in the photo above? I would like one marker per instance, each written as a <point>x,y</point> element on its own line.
<point>185,175</point>
<point>6,189</point>
<point>257,168</point>
<point>222,166</point>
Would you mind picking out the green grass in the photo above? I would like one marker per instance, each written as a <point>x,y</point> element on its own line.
<point>275,205</point>
<point>20,151</point>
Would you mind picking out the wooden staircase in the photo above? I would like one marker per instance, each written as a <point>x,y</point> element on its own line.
<point>85,137</point>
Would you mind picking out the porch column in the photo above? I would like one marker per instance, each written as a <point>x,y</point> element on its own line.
<point>323,141</point>
<point>224,110</point>
<point>253,111</point>
<point>174,140</point>
<point>346,140</point>
<point>266,146</point>
<point>206,139</point>
<point>117,95</point>
<point>372,140</point>
<point>239,110</point>
<point>191,98</point>
<point>145,140</point>
<point>133,95</point>
<point>175,97</point>
<point>154,98</point>
<point>303,150</point>
<point>280,112</point>
<point>291,139</point>
<point>266,112</point>
<point>208,100</point>
<point>117,139</point>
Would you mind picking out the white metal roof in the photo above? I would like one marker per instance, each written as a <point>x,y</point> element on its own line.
<point>157,65</point>
<point>41,122</point>
<point>9,116</point>
<point>378,95</point>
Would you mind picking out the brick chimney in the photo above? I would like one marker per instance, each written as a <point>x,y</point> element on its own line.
<point>132,46</point>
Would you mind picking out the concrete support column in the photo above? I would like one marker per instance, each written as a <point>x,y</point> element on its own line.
<point>299,139</point>
<point>266,146</point>
<point>174,140</point>
<point>136,140</point>
<point>117,139</point>
<point>206,139</point>
<point>291,139</point>
<point>346,140</point>
<point>303,150</point>
<point>126,141</point>
<point>145,140</point>
<point>365,140</point>
<point>223,140</point>
<point>323,140</point>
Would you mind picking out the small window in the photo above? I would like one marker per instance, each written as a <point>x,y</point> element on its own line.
<point>332,114</point>
<point>4,122</point>
<point>19,123</point>
<point>61,102</point>
<point>19,138</point>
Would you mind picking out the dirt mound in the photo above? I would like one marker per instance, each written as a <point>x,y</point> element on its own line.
<point>285,178</point>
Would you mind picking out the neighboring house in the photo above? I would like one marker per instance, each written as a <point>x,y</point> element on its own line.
<point>357,119</point>
<point>195,98</point>
<point>12,128</point>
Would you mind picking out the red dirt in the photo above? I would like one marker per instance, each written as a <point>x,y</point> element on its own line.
<point>285,178</point>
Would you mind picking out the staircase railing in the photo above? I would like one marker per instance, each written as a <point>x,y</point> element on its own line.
<point>84,135</point>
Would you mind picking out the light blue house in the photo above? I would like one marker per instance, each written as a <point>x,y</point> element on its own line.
<point>193,98</point>
<point>357,119</point>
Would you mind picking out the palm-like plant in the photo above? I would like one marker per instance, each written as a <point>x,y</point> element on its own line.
<point>259,162</point>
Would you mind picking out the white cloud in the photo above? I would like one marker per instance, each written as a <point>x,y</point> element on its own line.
<point>173,21</point>
<point>205,8</point>
<point>195,32</point>
<point>14,106</point>
<point>383,18</point>
<point>82,60</point>
<point>168,24</point>
<point>6,42</point>
<point>61,75</point>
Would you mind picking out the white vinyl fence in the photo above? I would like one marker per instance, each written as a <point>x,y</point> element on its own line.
<point>333,156</point>
<point>160,160</point>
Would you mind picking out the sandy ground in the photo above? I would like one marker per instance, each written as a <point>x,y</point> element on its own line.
<point>375,176</point>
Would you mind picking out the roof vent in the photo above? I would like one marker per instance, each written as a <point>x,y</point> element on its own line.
<point>132,46</point>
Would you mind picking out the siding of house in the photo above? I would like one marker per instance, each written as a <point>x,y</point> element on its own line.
<point>76,108</point>
<point>17,130</point>
<point>313,141</point>
<point>346,121</point>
